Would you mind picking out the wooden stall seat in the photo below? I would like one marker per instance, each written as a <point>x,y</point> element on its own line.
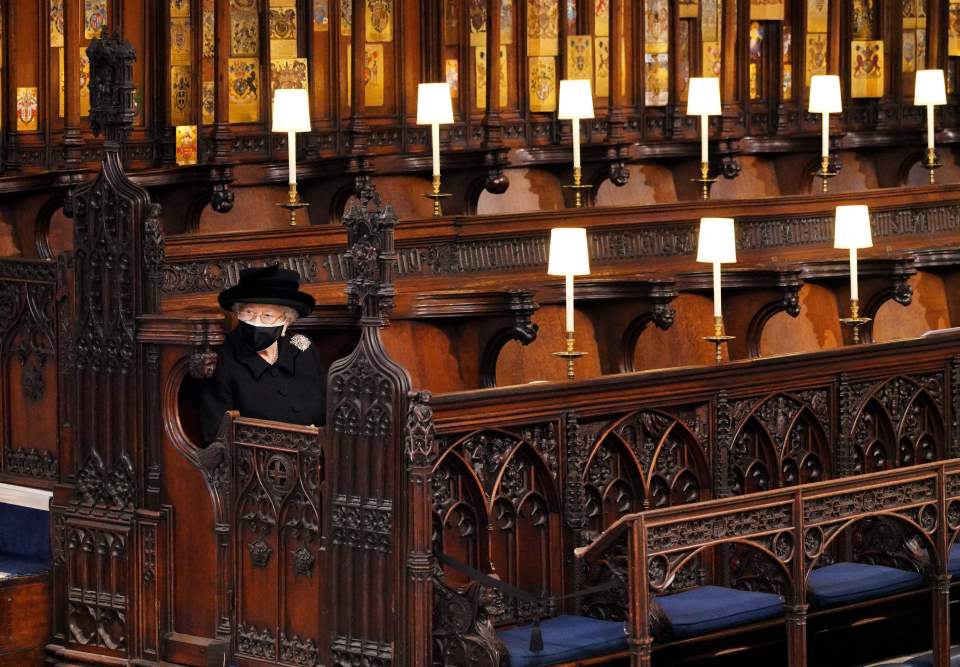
<point>663,439</point>
<point>799,532</point>
<point>24,570</point>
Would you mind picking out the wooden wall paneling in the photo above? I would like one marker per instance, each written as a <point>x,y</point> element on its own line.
<point>24,137</point>
<point>879,281</point>
<point>32,362</point>
<point>467,329</point>
<point>815,328</point>
<point>620,311</point>
<point>942,263</point>
<point>750,298</point>
<point>198,606</point>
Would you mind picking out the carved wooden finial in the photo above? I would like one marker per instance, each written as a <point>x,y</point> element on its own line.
<point>370,224</point>
<point>111,87</point>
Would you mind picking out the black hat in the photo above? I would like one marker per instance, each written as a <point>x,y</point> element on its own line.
<point>268,284</point>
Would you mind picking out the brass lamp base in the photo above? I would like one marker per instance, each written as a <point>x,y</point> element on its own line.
<point>437,197</point>
<point>932,164</point>
<point>292,204</point>
<point>577,187</point>
<point>824,174</point>
<point>705,181</point>
<point>718,338</point>
<point>570,355</point>
<point>854,321</point>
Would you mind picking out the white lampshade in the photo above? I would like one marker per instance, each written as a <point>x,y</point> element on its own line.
<point>569,255</point>
<point>717,242</point>
<point>930,88</point>
<point>825,94</point>
<point>703,96</point>
<point>852,227</point>
<point>291,110</point>
<point>576,99</point>
<point>434,104</point>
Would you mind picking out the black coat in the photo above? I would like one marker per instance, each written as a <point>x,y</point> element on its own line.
<point>292,390</point>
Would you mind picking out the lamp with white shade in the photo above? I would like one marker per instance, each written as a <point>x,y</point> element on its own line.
<point>930,91</point>
<point>569,257</point>
<point>825,99</point>
<point>291,114</point>
<point>435,108</point>
<point>851,232</point>
<point>703,99</point>
<point>717,245</point>
<point>576,103</point>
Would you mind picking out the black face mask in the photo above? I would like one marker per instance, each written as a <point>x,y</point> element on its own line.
<point>258,338</point>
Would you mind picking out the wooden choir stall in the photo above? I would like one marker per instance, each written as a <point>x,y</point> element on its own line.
<point>611,455</point>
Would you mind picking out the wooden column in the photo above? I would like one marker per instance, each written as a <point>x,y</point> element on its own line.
<point>431,31</point>
<point>359,129</point>
<point>493,128</point>
<point>937,35</point>
<point>11,161</point>
<point>638,593</point>
<point>796,608</point>
<point>730,93</point>
<point>72,139</point>
<point>940,581</point>
<point>222,136</point>
<point>421,455</point>
<point>615,115</point>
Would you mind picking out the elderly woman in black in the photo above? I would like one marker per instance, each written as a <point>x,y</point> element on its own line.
<point>261,372</point>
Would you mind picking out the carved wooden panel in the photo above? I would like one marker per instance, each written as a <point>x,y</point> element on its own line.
<point>496,502</point>
<point>898,422</point>
<point>278,481</point>
<point>32,312</point>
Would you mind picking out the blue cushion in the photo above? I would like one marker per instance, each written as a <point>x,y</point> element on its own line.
<point>707,608</point>
<point>24,532</point>
<point>953,565</point>
<point>11,566</point>
<point>841,583</point>
<point>565,638</point>
<point>924,660</point>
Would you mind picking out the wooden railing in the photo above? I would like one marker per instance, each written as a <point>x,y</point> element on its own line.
<point>794,527</point>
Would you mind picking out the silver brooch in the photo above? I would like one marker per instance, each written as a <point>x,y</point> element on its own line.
<point>300,342</point>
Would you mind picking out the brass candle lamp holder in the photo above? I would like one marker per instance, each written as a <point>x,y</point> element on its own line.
<point>718,338</point>
<point>854,321</point>
<point>932,164</point>
<point>570,355</point>
<point>437,196</point>
<point>705,181</point>
<point>824,174</point>
<point>578,187</point>
<point>293,203</point>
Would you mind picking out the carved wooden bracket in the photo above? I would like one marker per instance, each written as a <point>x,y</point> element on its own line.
<point>751,297</point>
<point>199,332</point>
<point>499,316</point>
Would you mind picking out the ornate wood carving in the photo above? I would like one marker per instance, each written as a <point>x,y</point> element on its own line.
<point>618,241</point>
<point>32,318</point>
<point>115,266</point>
<point>366,411</point>
<point>278,476</point>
